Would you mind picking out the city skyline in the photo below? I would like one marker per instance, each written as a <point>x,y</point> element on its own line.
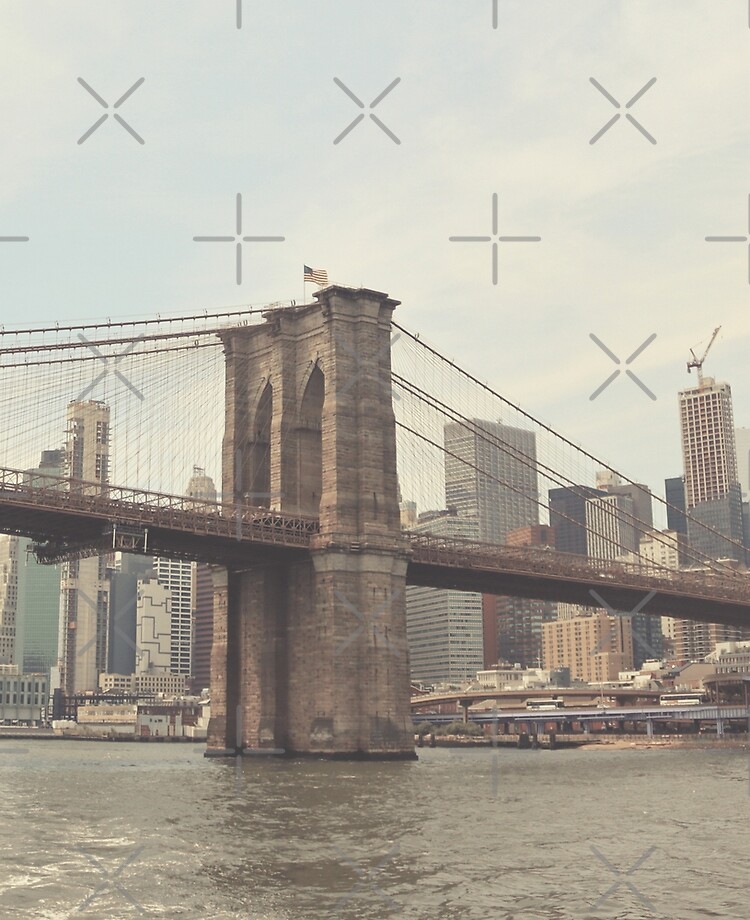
<point>256,260</point>
<point>97,602</point>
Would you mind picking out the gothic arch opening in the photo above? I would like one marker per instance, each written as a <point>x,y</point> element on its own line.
<point>310,444</point>
<point>257,481</point>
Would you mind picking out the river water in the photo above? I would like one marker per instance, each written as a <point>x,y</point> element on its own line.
<point>124,830</point>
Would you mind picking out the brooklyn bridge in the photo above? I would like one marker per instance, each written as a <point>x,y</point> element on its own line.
<point>320,418</point>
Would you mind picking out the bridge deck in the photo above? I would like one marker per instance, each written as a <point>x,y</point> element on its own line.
<point>548,575</point>
<point>81,516</point>
<point>71,516</point>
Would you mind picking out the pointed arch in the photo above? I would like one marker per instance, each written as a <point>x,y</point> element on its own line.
<point>310,443</point>
<point>257,478</point>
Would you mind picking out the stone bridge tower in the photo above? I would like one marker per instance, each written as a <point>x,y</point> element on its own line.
<point>310,652</point>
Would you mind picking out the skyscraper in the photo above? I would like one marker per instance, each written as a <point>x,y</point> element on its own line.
<point>30,592</point>
<point>8,599</point>
<point>640,495</point>
<point>713,494</point>
<point>713,497</point>
<point>202,486</point>
<point>492,477</point>
<point>518,620</point>
<point>176,575</point>
<point>708,447</point>
<point>742,442</point>
<point>124,578</point>
<point>609,524</point>
<point>84,592</point>
<point>618,517</point>
<point>203,627</point>
<point>567,515</point>
<point>444,628</point>
<point>619,521</point>
<point>674,492</point>
<point>154,627</point>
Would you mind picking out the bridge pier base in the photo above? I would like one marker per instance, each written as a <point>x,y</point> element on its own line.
<point>310,658</point>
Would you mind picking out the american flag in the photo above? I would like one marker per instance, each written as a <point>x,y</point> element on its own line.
<point>317,275</point>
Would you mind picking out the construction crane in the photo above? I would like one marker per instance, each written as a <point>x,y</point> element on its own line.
<point>698,362</point>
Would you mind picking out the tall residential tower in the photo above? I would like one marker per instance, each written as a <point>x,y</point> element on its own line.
<point>84,590</point>
<point>713,494</point>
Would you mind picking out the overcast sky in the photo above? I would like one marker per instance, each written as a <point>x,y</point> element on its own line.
<point>478,111</point>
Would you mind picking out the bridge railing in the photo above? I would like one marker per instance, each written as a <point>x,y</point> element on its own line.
<point>456,552</point>
<point>156,509</point>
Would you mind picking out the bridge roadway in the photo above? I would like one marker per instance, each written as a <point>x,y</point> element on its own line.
<point>70,518</point>
<point>607,714</point>
<point>581,695</point>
